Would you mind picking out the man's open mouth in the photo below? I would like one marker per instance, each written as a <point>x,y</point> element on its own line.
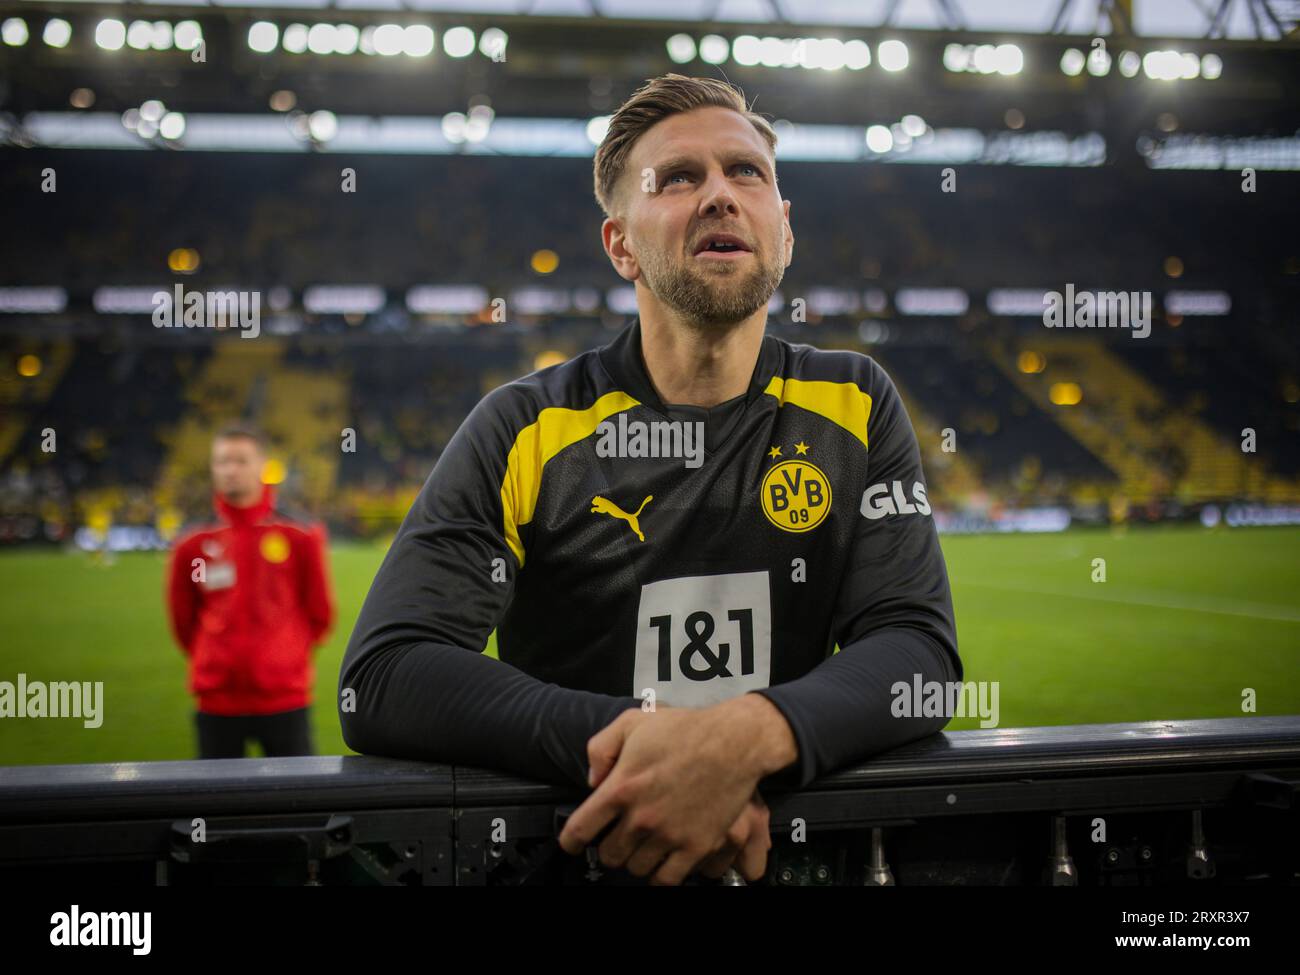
<point>721,244</point>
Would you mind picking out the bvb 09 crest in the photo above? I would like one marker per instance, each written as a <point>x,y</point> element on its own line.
<point>796,495</point>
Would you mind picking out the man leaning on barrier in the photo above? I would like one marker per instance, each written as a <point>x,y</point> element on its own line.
<point>666,624</point>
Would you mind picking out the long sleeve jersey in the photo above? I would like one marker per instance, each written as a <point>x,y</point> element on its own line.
<point>627,550</point>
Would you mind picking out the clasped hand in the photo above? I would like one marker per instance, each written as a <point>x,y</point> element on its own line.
<point>681,786</point>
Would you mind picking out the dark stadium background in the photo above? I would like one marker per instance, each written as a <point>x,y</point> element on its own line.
<point>1134,444</point>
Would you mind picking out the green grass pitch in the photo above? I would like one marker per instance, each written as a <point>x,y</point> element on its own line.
<point>1185,621</point>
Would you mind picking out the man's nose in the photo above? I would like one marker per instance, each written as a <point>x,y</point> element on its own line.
<point>718,198</point>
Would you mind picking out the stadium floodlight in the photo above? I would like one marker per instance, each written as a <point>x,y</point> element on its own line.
<point>146,129</point>
<point>446,299</point>
<point>131,119</point>
<point>714,49</point>
<point>913,125</point>
<point>902,141</point>
<point>1198,303</point>
<point>596,129</point>
<point>892,55</point>
<point>1211,66</point>
<point>14,31</point>
<point>1129,64</point>
<point>1099,62</point>
<point>346,39</point>
<point>1163,65</point>
<point>111,300</point>
<point>621,300</point>
<point>152,110</point>
<point>343,299</point>
<point>295,38</point>
<point>33,300</point>
<point>161,39</point>
<point>857,54</point>
<point>453,127</point>
<point>746,49</point>
<point>984,60</point>
<point>1031,362</point>
<point>805,52</point>
<point>320,38</point>
<point>681,48</point>
<point>110,34</point>
<point>1072,62</point>
<point>57,32</point>
<point>1008,59</point>
<point>835,54</point>
<point>879,139</point>
<point>931,301</point>
<point>417,41</point>
<point>388,40</point>
<point>323,125</point>
<point>479,123</point>
<point>172,126</point>
<point>458,42</point>
<point>492,43</point>
<point>139,35</point>
<point>1191,66</point>
<point>775,52</point>
<point>366,44</point>
<point>1065,394</point>
<point>956,57</point>
<point>586,299</point>
<point>1016,301</point>
<point>188,34</point>
<point>826,53</point>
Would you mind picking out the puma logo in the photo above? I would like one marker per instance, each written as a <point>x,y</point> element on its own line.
<point>604,506</point>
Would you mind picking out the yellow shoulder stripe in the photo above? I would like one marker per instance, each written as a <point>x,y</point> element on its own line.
<point>844,404</point>
<point>555,428</point>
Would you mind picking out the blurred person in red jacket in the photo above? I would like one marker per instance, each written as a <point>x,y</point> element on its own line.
<point>248,599</point>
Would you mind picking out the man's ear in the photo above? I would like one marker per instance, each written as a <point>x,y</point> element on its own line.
<point>614,240</point>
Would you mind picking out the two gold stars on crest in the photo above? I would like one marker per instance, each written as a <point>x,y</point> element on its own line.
<point>799,448</point>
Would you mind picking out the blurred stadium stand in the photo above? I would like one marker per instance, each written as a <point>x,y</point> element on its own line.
<point>1154,429</point>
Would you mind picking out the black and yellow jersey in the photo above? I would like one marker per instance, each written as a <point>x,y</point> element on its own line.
<point>627,550</point>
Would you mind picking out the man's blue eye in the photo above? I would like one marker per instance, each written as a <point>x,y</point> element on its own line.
<point>685,175</point>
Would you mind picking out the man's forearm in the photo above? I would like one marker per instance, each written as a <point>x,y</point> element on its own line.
<point>840,712</point>
<point>446,704</point>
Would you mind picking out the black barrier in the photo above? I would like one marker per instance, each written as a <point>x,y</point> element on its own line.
<point>1152,804</point>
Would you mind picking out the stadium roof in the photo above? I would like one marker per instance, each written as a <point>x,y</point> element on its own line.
<point>1237,19</point>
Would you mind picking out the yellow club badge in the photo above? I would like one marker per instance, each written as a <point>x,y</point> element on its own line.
<point>274,547</point>
<point>795,494</point>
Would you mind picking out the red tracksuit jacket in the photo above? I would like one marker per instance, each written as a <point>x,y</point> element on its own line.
<point>249,620</point>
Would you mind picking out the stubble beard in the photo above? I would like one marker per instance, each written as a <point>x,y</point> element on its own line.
<point>713,297</point>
